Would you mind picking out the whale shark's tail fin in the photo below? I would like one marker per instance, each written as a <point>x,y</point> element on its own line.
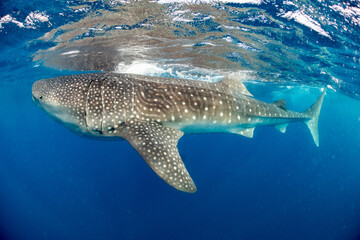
<point>313,112</point>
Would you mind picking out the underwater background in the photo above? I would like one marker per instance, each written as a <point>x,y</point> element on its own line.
<point>56,185</point>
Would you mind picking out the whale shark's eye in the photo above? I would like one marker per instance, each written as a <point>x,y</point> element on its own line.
<point>40,97</point>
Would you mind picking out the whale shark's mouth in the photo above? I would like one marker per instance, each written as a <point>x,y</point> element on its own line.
<point>38,90</point>
<point>36,101</point>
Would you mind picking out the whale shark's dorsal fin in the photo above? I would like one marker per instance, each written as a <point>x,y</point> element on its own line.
<point>280,104</point>
<point>157,145</point>
<point>233,85</point>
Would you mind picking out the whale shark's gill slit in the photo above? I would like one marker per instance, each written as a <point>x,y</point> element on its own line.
<point>98,131</point>
<point>103,105</point>
<point>87,105</point>
<point>132,107</point>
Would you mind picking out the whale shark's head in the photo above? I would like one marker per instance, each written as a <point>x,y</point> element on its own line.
<point>63,98</point>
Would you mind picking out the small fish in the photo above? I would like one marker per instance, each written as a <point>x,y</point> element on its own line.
<point>153,113</point>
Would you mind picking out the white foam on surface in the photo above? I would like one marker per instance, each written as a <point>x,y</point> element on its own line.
<point>140,67</point>
<point>300,17</point>
<point>70,52</point>
<point>170,70</point>
<point>35,17</point>
<point>257,2</point>
<point>352,13</point>
<point>30,20</point>
<point>7,19</point>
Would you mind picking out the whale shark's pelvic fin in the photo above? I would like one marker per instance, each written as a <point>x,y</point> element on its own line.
<point>313,113</point>
<point>157,145</point>
<point>281,127</point>
<point>233,85</point>
<point>247,132</point>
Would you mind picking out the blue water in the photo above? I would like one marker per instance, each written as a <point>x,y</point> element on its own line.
<point>56,185</point>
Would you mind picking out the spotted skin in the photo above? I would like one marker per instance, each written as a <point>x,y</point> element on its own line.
<point>153,113</point>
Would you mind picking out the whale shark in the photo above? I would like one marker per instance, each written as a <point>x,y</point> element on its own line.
<point>153,113</point>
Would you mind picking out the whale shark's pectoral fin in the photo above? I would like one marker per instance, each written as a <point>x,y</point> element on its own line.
<point>157,145</point>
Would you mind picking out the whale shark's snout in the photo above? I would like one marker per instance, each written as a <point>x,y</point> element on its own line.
<point>38,91</point>
<point>47,92</point>
<point>62,98</point>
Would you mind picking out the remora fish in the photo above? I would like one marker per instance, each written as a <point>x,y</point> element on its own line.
<point>152,113</point>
